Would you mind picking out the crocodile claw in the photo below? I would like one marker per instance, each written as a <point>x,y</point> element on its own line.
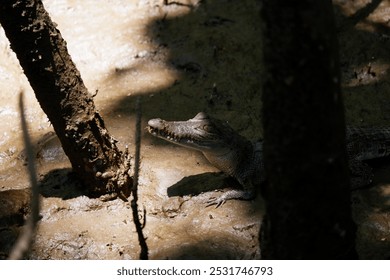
<point>231,194</point>
<point>218,201</point>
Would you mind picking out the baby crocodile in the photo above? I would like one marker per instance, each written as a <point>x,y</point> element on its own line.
<point>221,145</point>
<point>242,159</point>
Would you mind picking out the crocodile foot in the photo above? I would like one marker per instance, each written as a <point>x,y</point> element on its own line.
<point>231,194</point>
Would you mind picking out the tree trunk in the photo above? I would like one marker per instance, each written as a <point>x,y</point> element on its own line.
<point>58,86</point>
<point>308,199</point>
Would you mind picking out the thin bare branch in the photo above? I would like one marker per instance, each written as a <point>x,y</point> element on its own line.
<point>23,243</point>
<point>134,206</point>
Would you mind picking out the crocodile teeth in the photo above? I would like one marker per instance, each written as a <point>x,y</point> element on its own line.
<point>153,131</point>
<point>171,136</point>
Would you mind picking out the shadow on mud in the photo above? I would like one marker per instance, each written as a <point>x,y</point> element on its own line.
<point>14,207</point>
<point>205,182</point>
<point>62,183</point>
<point>216,249</point>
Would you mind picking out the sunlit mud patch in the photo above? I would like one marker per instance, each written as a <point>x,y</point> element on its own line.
<point>48,149</point>
<point>368,74</point>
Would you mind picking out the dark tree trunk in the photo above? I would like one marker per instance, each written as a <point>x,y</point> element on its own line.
<point>63,96</point>
<point>308,200</point>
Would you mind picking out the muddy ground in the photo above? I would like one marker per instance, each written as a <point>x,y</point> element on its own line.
<point>179,59</point>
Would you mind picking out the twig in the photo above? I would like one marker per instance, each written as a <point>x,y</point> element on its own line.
<point>23,243</point>
<point>167,3</point>
<point>134,206</point>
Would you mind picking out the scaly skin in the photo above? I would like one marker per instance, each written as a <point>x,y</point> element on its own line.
<point>364,143</point>
<point>242,159</point>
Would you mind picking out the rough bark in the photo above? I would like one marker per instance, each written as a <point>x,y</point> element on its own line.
<point>58,86</point>
<point>308,200</point>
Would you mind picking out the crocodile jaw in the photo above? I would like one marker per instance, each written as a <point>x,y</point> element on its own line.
<point>196,133</point>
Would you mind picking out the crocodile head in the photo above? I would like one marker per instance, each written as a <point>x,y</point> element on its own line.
<point>202,133</point>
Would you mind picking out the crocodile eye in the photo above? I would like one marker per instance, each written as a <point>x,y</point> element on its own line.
<point>206,127</point>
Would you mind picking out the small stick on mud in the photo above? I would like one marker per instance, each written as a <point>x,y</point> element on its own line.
<point>23,243</point>
<point>167,3</point>
<point>134,206</point>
